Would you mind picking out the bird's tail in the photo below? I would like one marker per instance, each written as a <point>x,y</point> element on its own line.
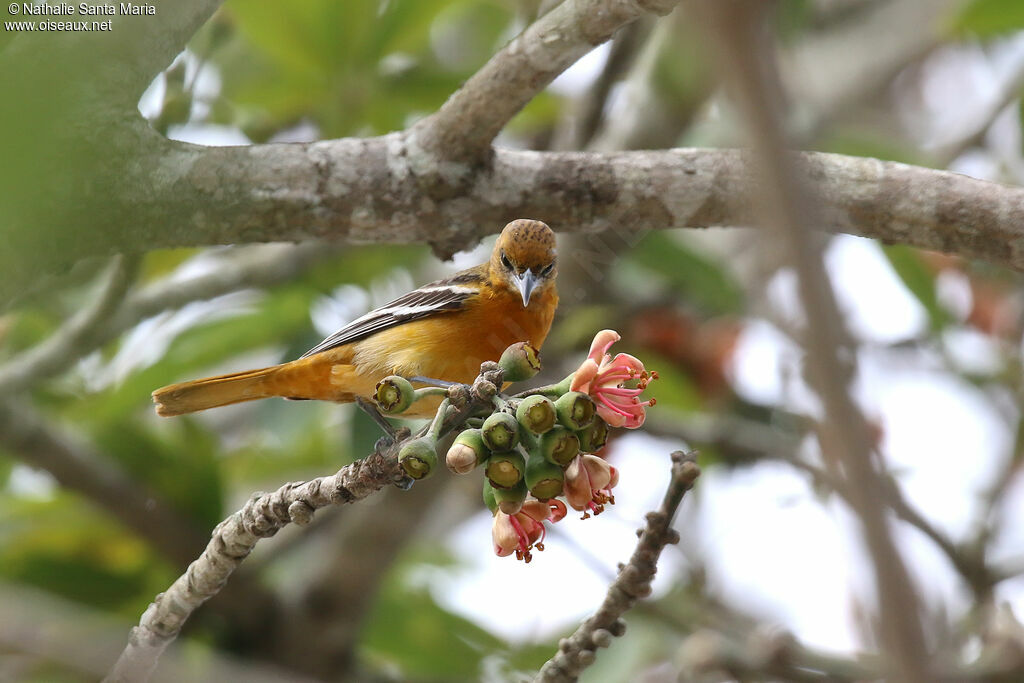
<point>315,377</point>
<point>211,392</point>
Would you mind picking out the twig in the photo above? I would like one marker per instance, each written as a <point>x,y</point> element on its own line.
<point>267,513</point>
<point>233,539</point>
<point>751,73</point>
<point>249,267</point>
<point>578,651</point>
<point>321,629</point>
<point>1008,85</point>
<point>99,324</point>
<point>577,129</point>
<point>62,348</point>
<point>461,131</point>
<point>821,76</point>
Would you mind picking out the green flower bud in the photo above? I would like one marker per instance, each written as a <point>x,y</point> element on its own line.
<point>500,432</point>
<point>466,452</point>
<point>520,361</point>
<point>394,394</point>
<point>510,500</point>
<point>594,437</point>
<point>575,410</point>
<point>559,446</point>
<point>543,478</point>
<point>418,458</point>
<point>489,499</point>
<point>505,469</point>
<point>537,414</point>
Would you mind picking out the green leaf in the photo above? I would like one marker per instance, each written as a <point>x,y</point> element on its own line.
<point>690,274</point>
<point>907,264</point>
<point>990,18</point>
<point>673,388</point>
<point>181,467</point>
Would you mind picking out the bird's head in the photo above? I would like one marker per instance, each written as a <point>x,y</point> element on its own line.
<point>524,257</point>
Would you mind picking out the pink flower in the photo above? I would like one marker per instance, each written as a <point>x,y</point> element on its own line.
<point>588,484</point>
<point>603,377</point>
<point>523,531</point>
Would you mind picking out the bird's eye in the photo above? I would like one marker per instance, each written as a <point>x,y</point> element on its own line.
<point>505,261</point>
<point>547,270</point>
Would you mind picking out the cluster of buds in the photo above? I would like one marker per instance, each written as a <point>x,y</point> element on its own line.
<point>534,447</point>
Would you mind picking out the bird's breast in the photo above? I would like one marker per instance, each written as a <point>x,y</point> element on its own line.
<point>451,346</point>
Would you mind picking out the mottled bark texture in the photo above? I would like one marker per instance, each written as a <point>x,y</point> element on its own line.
<point>264,515</point>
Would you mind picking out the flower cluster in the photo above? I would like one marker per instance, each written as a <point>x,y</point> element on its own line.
<point>539,445</point>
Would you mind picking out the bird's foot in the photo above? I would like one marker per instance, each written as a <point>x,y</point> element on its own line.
<point>375,415</point>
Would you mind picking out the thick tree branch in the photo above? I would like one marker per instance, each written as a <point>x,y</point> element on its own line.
<point>577,651</point>
<point>365,191</point>
<point>461,131</point>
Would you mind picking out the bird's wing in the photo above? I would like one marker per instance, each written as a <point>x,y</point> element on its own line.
<point>436,297</point>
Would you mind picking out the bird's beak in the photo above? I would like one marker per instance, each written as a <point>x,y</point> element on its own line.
<point>526,283</point>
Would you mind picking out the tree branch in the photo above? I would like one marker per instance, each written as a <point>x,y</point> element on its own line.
<point>65,346</point>
<point>267,513</point>
<point>233,539</point>
<point>788,206</point>
<point>577,652</point>
<point>365,191</point>
<point>461,131</point>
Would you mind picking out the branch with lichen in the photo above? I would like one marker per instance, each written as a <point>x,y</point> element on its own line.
<point>263,516</point>
<point>578,651</point>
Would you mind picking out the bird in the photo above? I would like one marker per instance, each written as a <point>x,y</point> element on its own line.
<point>443,331</point>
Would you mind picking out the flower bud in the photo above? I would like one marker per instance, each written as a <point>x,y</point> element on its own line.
<point>537,414</point>
<point>520,361</point>
<point>575,410</point>
<point>418,458</point>
<point>594,437</point>
<point>543,478</point>
<point>489,500</point>
<point>394,394</point>
<point>500,432</point>
<point>466,452</point>
<point>559,446</point>
<point>505,469</point>
<point>510,500</point>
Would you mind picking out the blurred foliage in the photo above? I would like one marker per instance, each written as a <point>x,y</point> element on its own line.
<point>366,67</point>
<point>991,18</point>
<point>359,67</point>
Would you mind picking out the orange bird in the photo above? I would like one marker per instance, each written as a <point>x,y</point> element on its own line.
<point>443,330</point>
